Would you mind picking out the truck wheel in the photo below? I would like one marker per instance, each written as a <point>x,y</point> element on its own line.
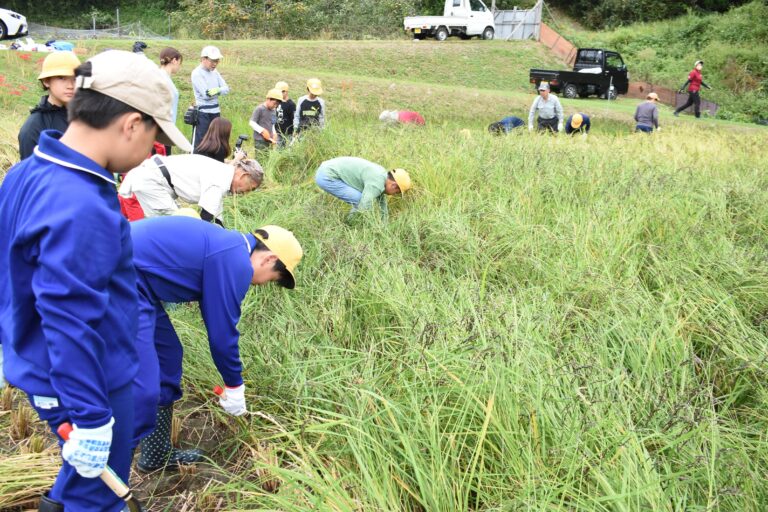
<point>488,33</point>
<point>3,31</point>
<point>441,34</point>
<point>571,91</point>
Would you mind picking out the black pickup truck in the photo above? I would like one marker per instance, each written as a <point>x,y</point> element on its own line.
<point>596,72</point>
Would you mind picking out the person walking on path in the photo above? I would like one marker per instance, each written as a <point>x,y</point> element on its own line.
<point>262,120</point>
<point>693,85</point>
<point>578,123</point>
<point>310,109</point>
<point>647,114</point>
<point>550,112</point>
<point>181,259</point>
<point>359,183</point>
<point>68,299</point>
<point>284,115</point>
<point>208,86</point>
<point>170,62</point>
<point>195,179</point>
<point>58,81</point>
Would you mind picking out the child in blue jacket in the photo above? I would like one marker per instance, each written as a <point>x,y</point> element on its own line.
<point>68,300</point>
<point>182,259</point>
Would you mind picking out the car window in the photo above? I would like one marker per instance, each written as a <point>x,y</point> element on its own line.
<point>589,57</point>
<point>476,5</point>
<point>457,3</point>
<point>612,60</point>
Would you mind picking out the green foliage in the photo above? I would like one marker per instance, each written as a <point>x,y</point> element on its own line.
<point>546,323</point>
<point>733,45</point>
<point>613,13</point>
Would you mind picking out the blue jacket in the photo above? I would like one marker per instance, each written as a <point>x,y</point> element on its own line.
<point>68,301</point>
<point>511,122</point>
<point>182,259</point>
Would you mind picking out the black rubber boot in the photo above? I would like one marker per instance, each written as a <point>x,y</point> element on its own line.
<point>48,505</point>
<point>157,451</point>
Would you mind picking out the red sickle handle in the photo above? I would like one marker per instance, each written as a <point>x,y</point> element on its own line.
<point>220,391</point>
<point>64,430</point>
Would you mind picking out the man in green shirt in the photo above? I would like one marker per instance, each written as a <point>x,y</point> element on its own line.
<point>359,182</point>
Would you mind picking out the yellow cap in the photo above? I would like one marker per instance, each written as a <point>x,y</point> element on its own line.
<point>285,246</point>
<point>59,64</point>
<point>187,212</point>
<point>275,94</point>
<point>402,179</point>
<point>652,96</point>
<point>315,86</point>
<point>576,121</point>
<point>282,86</point>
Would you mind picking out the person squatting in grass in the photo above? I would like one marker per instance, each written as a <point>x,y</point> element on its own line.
<point>284,115</point>
<point>170,62</point>
<point>215,144</point>
<point>68,299</point>
<point>550,112</point>
<point>58,81</point>
<point>402,117</point>
<point>208,86</point>
<point>693,85</point>
<point>310,109</point>
<point>647,114</point>
<point>359,182</point>
<point>505,125</point>
<point>152,189</point>
<point>263,120</point>
<point>181,259</point>
<point>578,123</point>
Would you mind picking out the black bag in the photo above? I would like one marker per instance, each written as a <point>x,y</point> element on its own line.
<point>191,116</point>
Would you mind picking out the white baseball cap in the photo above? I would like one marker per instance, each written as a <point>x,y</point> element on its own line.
<point>211,52</point>
<point>137,82</point>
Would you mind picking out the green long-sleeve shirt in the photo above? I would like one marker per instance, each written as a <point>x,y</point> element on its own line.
<point>367,177</point>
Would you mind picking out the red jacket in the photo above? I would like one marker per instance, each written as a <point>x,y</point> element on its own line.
<point>695,81</point>
<point>407,116</point>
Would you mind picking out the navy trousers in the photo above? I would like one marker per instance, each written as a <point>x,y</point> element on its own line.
<point>158,382</point>
<point>79,494</point>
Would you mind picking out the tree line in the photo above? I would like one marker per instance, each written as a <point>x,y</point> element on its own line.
<point>330,18</point>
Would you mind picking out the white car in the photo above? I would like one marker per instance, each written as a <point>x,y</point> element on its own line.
<point>12,24</point>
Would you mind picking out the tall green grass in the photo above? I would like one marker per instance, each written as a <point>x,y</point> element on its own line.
<point>545,323</point>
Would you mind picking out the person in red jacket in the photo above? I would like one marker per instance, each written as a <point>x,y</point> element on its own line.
<point>402,116</point>
<point>693,84</point>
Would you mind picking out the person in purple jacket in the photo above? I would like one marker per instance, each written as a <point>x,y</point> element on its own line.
<point>68,300</point>
<point>183,259</point>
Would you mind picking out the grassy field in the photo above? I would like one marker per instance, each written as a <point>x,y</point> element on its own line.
<point>545,323</point>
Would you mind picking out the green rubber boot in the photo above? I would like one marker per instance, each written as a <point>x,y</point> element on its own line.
<point>157,451</point>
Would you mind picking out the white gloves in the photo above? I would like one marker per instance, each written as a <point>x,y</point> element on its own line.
<point>233,400</point>
<point>88,449</point>
<point>530,127</point>
<point>658,129</point>
<point>560,126</point>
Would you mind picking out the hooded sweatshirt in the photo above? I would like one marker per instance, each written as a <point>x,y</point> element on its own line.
<point>44,116</point>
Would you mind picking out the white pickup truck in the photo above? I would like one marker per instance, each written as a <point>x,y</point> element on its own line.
<point>464,18</point>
